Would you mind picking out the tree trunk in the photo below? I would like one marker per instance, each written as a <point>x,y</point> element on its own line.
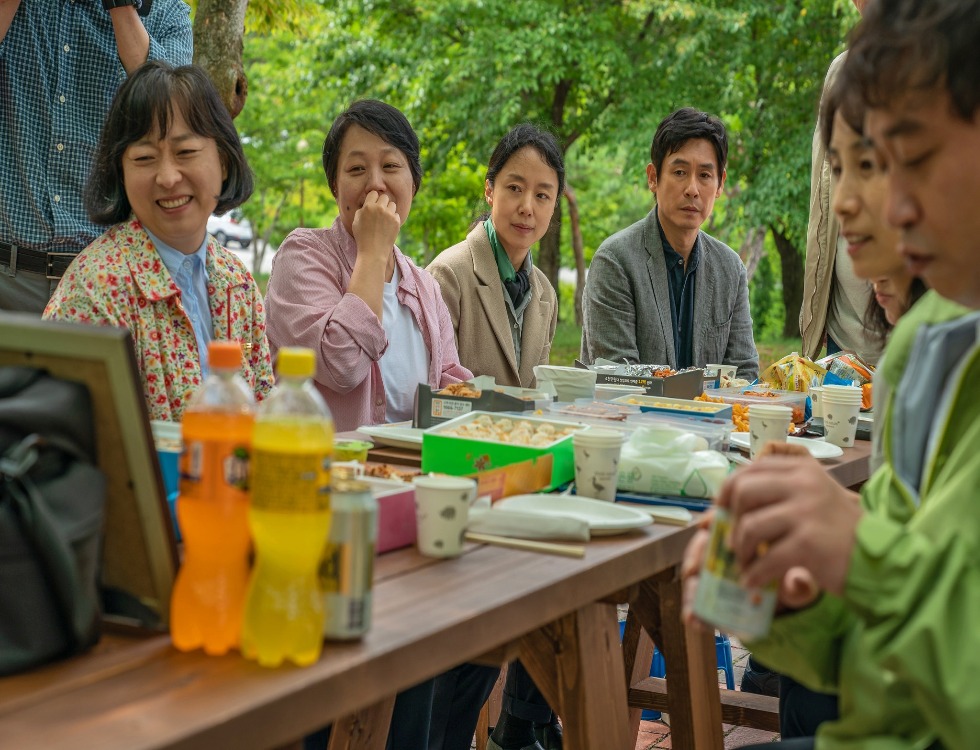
<point>752,250</point>
<point>791,263</point>
<point>548,258</point>
<point>219,27</point>
<point>576,227</point>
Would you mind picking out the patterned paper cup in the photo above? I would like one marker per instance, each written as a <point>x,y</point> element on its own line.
<point>442,506</point>
<point>767,423</point>
<point>841,407</point>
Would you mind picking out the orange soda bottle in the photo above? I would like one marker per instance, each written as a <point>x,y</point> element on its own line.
<point>289,517</point>
<point>209,593</point>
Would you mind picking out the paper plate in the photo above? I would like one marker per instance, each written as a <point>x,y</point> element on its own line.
<point>396,435</point>
<point>602,517</point>
<point>817,446</point>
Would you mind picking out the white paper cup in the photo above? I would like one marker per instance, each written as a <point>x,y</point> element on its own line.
<point>816,401</point>
<point>597,462</point>
<point>767,423</point>
<point>724,371</point>
<point>442,506</point>
<point>841,406</point>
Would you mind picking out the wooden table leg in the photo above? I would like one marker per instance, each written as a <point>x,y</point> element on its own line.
<point>365,730</point>
<point>692,677</point>
<point>577,663</point>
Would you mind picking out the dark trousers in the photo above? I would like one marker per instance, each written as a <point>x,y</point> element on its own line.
<point>458,696</point>
<point>802,710</point>
<point>409,722</point>
<point>522,697</point>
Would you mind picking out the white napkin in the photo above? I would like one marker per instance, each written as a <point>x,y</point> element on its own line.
<point>568,383</point>
<point>664,460</point>
<point>524,525</point>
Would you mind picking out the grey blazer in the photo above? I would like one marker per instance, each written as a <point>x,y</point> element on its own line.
<point>470,282</point>
<point>626,306</point>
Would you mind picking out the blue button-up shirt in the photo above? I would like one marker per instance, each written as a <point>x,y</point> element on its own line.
<point>191,277</point>
<point>680,282</point>
<point>59,70</point>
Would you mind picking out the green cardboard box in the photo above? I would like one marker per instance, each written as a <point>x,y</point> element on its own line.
<point>451,454</point>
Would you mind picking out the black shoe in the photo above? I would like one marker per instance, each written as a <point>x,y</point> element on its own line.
<point>759,680</point>
<point>548,736</point>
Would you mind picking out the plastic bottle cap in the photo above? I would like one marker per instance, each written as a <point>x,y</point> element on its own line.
<point>225,355</point>
<point>296,361</point>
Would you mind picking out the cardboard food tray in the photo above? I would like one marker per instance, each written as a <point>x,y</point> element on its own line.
<point>458,456</point>
<point>687,384</point>
<point>432,407</point>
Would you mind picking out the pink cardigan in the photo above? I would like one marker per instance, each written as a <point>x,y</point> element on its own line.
<point>307,305</point>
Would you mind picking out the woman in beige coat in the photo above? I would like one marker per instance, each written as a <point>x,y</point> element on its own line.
<point>504,309</point>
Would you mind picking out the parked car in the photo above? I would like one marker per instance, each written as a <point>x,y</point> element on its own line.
<point>231,227</point>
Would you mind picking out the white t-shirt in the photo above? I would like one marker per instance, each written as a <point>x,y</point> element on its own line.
<point>849,297</point>
<point>405,363</point>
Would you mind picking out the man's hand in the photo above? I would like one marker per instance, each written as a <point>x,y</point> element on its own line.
<point>797,588</point>
<point>792,510</point>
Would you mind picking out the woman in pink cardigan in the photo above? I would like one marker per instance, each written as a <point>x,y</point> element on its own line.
<point>376,320</point>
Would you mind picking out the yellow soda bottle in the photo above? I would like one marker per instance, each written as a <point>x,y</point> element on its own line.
<point>289,517</point>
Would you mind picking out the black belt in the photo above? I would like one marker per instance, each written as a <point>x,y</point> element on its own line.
<point>52,265</point>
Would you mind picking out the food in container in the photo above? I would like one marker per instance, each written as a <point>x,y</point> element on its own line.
<point>681,407</point>
<point>351,450</point>
<point>760,394</point>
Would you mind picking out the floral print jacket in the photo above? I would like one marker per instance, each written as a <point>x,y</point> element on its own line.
<point>120,280</point>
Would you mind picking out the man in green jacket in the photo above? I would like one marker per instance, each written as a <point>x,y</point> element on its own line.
<point>880,595</point>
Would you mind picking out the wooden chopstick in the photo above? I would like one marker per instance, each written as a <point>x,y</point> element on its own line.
<point>551,548</point>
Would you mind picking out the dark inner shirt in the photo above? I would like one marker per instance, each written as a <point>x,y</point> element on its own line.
<point>680,282</point>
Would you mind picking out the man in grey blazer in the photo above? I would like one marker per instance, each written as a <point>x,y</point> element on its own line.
<point>662,291</point>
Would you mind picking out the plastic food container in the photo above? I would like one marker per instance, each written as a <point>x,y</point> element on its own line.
<point>715,430</point>
<point>755,394</point>
<point>611,391</point>
<point>351,450</point>
<point>679,407</point>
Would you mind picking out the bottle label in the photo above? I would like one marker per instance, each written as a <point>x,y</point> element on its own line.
<point>201,457</point>
<point>294,482</point>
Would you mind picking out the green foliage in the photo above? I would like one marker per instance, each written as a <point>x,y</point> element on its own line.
<point>601,75</point>
<point>765,295</point>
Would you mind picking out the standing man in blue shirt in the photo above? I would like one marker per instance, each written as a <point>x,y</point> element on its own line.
<point>662,291</point>
<point>61,62</point>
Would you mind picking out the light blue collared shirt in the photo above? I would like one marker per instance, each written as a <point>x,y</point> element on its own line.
<point>191,277</point>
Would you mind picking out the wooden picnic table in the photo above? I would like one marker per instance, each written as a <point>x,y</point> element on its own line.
<point>556,614</point>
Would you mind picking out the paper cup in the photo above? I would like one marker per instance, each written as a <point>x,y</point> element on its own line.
<point>442,506</point>
<point>167,438</point>
<point>724,371</point>
<point>816,401</point>
<point>767,423</point>
<point>597,462</point>
<point>841,406</point>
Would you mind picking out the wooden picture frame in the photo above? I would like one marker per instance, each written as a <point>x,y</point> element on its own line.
<point>139,558</point>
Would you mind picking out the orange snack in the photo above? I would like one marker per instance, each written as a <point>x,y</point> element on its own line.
<point>866,396</point>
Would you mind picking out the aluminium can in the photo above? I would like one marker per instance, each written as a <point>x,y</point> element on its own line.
<point>720,599</point>
<point>347,566</point>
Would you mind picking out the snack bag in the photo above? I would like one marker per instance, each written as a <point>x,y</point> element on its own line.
<point>848,368</point>
<point>793,373</point>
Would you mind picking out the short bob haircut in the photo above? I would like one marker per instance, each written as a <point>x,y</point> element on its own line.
<point>902,46</point>
<point>148,100</point>
<point>527,135</point>
<point>384,121</point>
<point>684,125</point>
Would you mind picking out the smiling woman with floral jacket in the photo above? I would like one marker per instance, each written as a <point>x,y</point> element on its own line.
<point>168,158</point>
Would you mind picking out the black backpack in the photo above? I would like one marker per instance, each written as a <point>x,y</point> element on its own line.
<point>52,507</point>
